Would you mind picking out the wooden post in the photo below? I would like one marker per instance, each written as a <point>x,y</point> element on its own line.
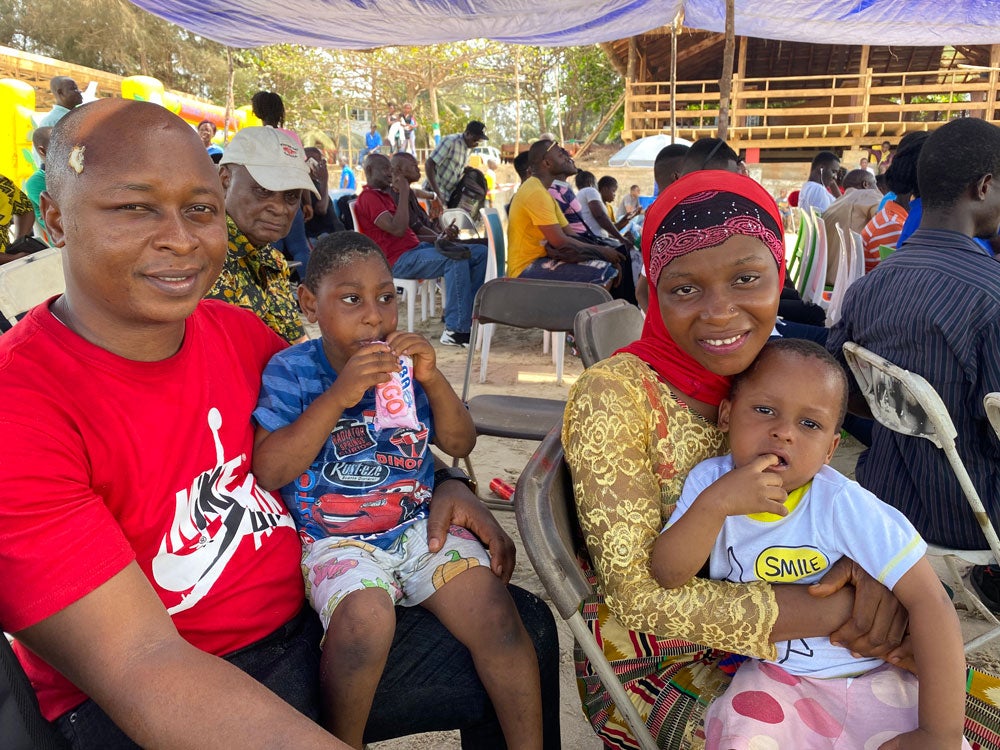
<point>673,78</point>
<point>991,101</point>
<point>741,74</point>
<point>868,99</point>
<point>862,67</point>
<point>726,81</point>
<point>630,79</point>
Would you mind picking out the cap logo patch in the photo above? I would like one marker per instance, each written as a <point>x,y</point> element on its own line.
<point>289,150</point>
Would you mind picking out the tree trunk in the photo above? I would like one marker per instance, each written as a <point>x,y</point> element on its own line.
<point>726,82</point>
<point>517,100</point>
<point>227,118</point>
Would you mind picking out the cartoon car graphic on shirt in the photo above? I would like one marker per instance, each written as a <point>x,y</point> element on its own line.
<point>380,510</point>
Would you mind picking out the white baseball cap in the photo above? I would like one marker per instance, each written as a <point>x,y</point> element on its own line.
<point>273,158</point>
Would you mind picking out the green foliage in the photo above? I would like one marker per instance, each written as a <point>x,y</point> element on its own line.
<point>465,80</point>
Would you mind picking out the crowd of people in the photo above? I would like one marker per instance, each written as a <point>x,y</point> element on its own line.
<point>256,549</point>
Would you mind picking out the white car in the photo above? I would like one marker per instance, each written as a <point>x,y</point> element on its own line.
<point>485,153</point>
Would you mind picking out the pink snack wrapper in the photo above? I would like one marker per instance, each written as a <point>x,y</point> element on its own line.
<point>395,405</point>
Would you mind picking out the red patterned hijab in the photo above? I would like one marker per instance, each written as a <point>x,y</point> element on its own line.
<point>700,210</point>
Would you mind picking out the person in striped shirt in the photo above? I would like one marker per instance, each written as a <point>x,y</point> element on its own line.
<point>885,226</point>
<point>934,308</point>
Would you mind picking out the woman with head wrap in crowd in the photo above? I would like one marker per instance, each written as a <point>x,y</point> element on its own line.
<point>636,424</point>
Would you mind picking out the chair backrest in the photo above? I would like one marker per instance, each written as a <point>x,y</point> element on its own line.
<point>906,403</point>
<point>601,330</point>
<point>498,243</point>
<point>546,518</point>
<point>354,215</point>
<point>28,281</point>
<point>845,255</point>
<point>535,303</point>
<point>807,231</point>
<point>992,404</point>
<point>857,256</point>
<point>816,274</point>
<point>462,220</point>
<point>529,303</point>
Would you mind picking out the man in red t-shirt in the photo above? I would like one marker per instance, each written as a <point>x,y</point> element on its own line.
<point>380,218</point>
<point>137,546</point>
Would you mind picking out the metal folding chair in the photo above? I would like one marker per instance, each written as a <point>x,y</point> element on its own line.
<point>523,303</point>
<point>546,518</point>
<point>601,330</point>
<point>28,281</point>
<point>906,403</point>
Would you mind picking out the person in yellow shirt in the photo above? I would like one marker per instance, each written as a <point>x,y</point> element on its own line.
<point>541,246</point>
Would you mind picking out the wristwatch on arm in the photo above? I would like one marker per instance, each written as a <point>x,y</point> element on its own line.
<point>453,472</point>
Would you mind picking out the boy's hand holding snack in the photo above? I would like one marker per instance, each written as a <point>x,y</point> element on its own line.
<point>416,346</point>
<point>369,366</point>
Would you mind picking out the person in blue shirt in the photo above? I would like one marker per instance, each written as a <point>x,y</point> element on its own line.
<point>359,485</point>
<point>348,181</point>
<point>373,143</point>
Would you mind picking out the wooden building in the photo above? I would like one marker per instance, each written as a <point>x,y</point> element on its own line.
<point>793,95</point>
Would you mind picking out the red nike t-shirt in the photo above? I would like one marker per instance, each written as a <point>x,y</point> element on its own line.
<point>107,460</point>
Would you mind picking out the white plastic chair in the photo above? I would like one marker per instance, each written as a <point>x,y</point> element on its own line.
<point>28,281</point>
<point>815,281</point>
<point>906,403</point>
<point>858,262</point>
<point>802,254</point>
<point>463,221</point>
<point>496,266</point>
<point>844,277</point>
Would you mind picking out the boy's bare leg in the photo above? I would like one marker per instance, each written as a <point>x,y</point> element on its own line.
<point>478,611</point>
<point>354,655</point>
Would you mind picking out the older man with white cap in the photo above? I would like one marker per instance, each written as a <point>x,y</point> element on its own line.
<point>263,172</point>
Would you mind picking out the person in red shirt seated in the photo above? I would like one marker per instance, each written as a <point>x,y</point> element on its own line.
<point>388,223</point>
<point>153,588</point>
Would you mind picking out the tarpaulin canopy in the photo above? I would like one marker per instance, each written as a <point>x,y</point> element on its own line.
<point>361,24</point>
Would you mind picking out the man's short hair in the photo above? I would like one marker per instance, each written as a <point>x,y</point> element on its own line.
<point>606,182</point>
<point>538,151</point>
<point>709,153</point>
<point>56,82</point>
<point>665,161</point>
<point>584,179</point>
<point>40,137</point>
<point>336,251</point>
<point>858,178</point>
<point>823,157</point>
<point>521,165</point>
<point>901,177</point>
<point>956,156</point>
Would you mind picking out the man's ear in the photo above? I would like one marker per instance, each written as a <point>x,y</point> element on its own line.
<point>53,218</point>
<point>983,186</point>
<point>225,176</point>
<point>725,409</point>
<point>307,301</point>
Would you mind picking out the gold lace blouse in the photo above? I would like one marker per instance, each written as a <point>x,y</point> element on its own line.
<point>630,444</point>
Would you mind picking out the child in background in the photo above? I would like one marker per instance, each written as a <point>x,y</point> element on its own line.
<point>773,510</point>
<point>359,496</point>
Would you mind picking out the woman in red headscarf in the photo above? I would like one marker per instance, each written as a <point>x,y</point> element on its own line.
<point>635,425</point>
